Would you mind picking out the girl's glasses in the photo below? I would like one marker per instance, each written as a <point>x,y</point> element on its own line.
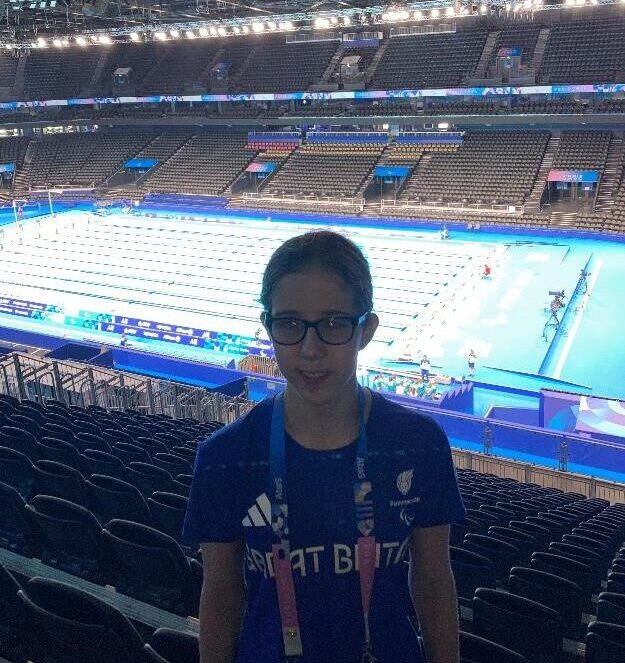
<point>333,330</point>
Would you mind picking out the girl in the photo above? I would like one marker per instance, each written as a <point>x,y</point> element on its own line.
<point>309,506</point>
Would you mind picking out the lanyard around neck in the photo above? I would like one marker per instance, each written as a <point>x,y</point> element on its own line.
<point>281,549</point>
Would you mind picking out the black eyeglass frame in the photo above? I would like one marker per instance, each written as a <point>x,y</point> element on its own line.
<point>356,321</point>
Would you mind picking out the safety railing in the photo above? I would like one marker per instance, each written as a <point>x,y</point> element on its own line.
<point>397,206</point>
<point>41,379</point>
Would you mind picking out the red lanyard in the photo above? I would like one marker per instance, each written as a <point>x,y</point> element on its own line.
<point>281,550</point>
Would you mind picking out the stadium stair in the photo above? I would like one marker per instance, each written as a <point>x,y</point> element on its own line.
<point>532,204</point>
<point>332,67</point>
<point>251,56</point>
<point>482,65</point>
<point>204,78</point>
<point>611,175</point>
<point>18,87</point>
<point>92,87</point>
<point>539,51</point>
<point>374,63</point>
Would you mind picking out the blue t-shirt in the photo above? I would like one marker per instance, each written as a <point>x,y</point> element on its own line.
<point>414,485</point>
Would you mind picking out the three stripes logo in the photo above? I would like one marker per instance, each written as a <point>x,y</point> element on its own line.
<point>259,514</point>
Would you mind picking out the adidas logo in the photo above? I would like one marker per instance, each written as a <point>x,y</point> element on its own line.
<point>259,514</point>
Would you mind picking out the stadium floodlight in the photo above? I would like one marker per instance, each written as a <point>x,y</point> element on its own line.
<point>347,20</point>
<point>57,43</point>
<point>334,20</point>
<point>105,39</point>
<point>134,36</point>
<point>94,38</point>
<point>41,42</point>
<point>160,35</point>
<point>569,3</point>
<point>81,41</point>
<point>9,47</point>
<point>203,32</point>
<point>189,34</point>
<point>246,29</point>
<point>483,9</point>
<point>321,23</point>
<point>271,25</point>
<point>449,12</point>
<point>222,31</point>
<point>174,33</point>
<point>213,31</point>
<point>418,15</point>
<point>435,13</point>
<point>257,26</point>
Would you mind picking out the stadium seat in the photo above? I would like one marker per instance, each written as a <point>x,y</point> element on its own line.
<point>605,643</point>
<point>169,646</point>
<point>20,440</point>
<point>502,554</point>
<point>611,608</point>
<point>59,480</point>
<point>70,536</point>
<point>72,626</point>
<point>13,623</point>
<point>100,462</point>
<point>173,464</point>
<point>474,649</point>
<point>16,470</point>
<point>150,566</point>
<point>16,533</point>
<point>60,451</point>
<point>149,478</point>
<point>563,596</point>
<point>524,626</point>
<point>130,453</point>
<point>471,570</point>
<point>567,568</point>
<point>112,498</point>
<point>168,512</point>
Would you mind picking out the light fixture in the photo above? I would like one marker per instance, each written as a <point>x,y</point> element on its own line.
<point>105,39</point>
<point>449,12</point>
<point>222,31</point>
<point>236,29</point>
<point>417,15</point>
<point>134,36</point>
<point>160,35</point>
<point>569,3</point>
<point>347,20</point>
<point>483,9</point>
<point>213,31</point>
<point>189,34</point>
<point>334,20</point>
<point>9,47</point>
<point>271,25</point>
<point>57,43</point>
<point>257,26</point>
<point>65,42</point>
<point>246,30</point>
<point>94,38</point>
<point>174,33</point>
<point>321,23</point>
<point>435,13</point>
<point>81,41</point>
<point>203,32</point>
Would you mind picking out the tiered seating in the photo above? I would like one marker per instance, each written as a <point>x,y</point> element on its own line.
<point>100,484</point>
<point>233,54</point>
<point>12,150</point>
<point>58,74</point>
<point>430,60</point>
<point>8,68</point>
<point>165,145</point>
<point>139,57</point>
<point>490,168</point>
<point>205,164</point>
<point>83,159</point>
<point>281,67</point>
<point>326,170</point>
<point>587,51</point>
<point>278,144</point>
<point>180,64</point>
<point>529,561</point>
<point>582,150</point>
<point>523,36</point>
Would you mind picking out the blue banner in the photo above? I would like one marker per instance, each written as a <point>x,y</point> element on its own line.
<point>587,176</point>
<point>7,167</point>
<point>143,164</point>
<point>392,171</point>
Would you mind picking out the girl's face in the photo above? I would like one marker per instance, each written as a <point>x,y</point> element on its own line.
<point>319,373</point>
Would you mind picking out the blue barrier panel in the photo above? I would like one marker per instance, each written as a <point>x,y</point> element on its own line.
<point>7,167</point>
<point>392,171</point>
<point>140,163</point>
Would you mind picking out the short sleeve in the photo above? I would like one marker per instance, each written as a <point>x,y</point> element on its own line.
<point>213,513</point>
<point>443,502</point>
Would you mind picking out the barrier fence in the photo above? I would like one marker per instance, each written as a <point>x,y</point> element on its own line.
<point>24,376</point>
